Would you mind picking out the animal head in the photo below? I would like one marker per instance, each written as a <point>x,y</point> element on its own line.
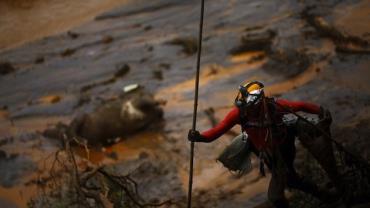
<point>141,108</point>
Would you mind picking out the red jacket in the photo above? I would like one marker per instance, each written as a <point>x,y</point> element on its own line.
<point>257,135</point>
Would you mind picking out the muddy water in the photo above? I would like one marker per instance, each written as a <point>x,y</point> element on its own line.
<point>354,19</point>
<point>32,124</point>
<point>22,21</point>
<point>18,196</point>
<point>139,145</point>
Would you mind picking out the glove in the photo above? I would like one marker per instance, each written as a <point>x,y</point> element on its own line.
<point>195,136</point>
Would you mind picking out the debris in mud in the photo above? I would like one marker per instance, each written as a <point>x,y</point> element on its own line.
<point>117,118</point>
<point>96,84</point>
<point>107,39</point>
<point>130,88</point>
<point>345,43</point>
<point>148,27</point>
<point>83,99</point>
<point>143,155</point>
<point>57,131</point>
<point>213,70</point>
<point>166,66</point>
<point>256,41</point>
<point>143,60</point>
<point>150,48</point>
<point>6,68</point>
<point>188,44</point>
<point>73,35</point>
<point>136,25</point>
<point>350,48</point>
<point>6,140</point>
<point>122,70</point>
<point>49,99</point>
<point>2,154</point>
<point>55,99</point>
<point>39,60</point>
<point>112,155</point>
<point>257,58</point>
<point>153,177</point>
<point>67,52</point>
<point>74,182</point>
<point>210,113</point>
<point>126,115</point>
<point>288,63</point>
<point>157,74</point>
<point>253,28</point>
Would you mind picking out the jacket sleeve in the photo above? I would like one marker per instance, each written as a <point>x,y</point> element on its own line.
<point>226,124</point>
<point>300,106</point>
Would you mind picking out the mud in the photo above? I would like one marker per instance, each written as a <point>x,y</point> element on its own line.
<point>32,20</point>
<point>189,45</point>
<point>11,173</point>
<point>303,60</point>
<point>122,70</point>
<point>261,41</point>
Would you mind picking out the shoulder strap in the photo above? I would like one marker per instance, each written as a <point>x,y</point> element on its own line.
<point>271,103</point>
<point>242,116</point>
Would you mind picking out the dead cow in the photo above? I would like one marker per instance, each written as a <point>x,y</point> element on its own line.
<point>115,118</point>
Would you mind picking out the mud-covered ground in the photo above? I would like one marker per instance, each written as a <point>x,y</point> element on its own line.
<point>302,50</point>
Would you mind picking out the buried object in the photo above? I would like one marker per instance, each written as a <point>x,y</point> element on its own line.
<point>128,114</point>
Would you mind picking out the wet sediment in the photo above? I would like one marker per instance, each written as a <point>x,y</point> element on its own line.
<point>299,53</point>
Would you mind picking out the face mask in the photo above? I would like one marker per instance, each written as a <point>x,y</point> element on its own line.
<point>253,97</point>
<point>248,98</point>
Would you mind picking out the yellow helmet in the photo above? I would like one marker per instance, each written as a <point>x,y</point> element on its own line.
<point>250,87</point>
<point>251,93</point>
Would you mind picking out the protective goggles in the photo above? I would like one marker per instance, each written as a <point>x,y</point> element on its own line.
<point>250,97</point>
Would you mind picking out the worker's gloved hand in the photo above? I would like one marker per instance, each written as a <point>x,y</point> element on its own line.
<point>325,117</point>
<point>195,136</point>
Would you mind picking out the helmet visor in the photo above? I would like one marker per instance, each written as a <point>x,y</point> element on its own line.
<point>254,97</point>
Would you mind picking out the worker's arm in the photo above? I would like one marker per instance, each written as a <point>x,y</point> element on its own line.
<point>300,106</point>
<point>212,134</point>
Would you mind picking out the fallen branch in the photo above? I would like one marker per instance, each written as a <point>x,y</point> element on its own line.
<point>66,172</point>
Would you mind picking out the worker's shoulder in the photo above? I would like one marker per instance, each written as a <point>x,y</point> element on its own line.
<point>234,111</point>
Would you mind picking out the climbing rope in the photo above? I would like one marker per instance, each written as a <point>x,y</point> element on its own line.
<point>200,35</point>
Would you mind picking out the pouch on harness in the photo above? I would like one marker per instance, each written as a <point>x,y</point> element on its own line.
<point>236,156</point>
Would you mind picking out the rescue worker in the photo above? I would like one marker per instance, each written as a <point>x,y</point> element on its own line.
<point>273,140</point>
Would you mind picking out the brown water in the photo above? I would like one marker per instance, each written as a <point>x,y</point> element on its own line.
<point>31,124</point>
<point>22,21</point>
<point>354,19</point>
<point>19,195</point>
<point>128,148</point>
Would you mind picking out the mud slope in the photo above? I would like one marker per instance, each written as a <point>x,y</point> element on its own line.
<point>301,50</point>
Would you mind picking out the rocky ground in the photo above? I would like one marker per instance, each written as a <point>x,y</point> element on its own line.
<point>302,50</point>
